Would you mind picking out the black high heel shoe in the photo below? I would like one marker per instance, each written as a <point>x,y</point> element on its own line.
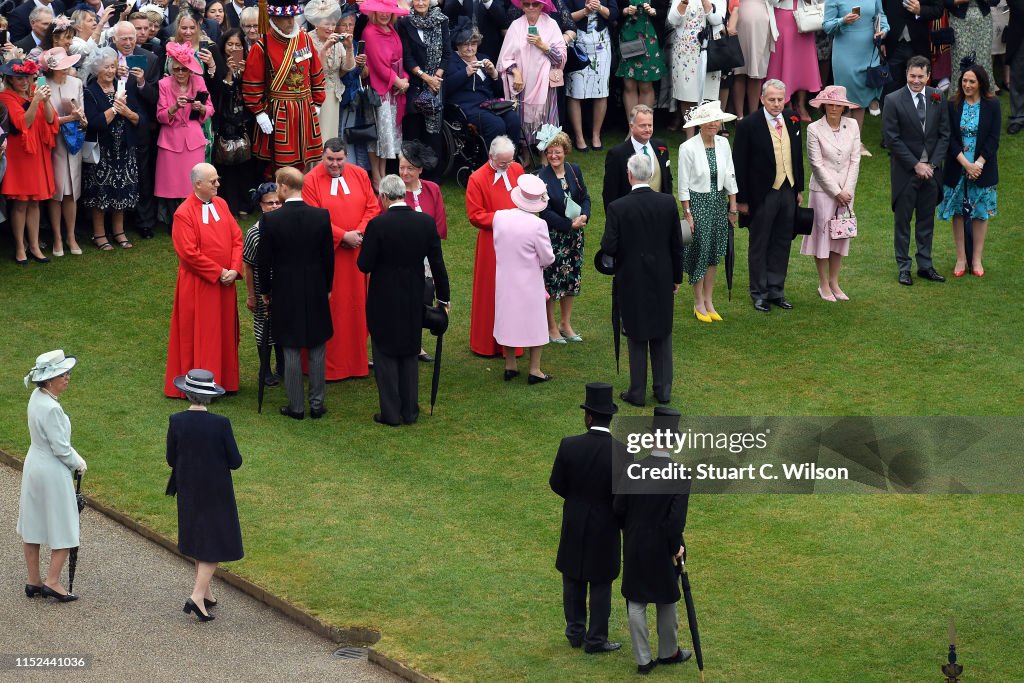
<point>48,592</point>
<point>511,374</point>
<point>192,607</point>
<point>209,603</point>
<point>536,379</point>
<point>32,591</point>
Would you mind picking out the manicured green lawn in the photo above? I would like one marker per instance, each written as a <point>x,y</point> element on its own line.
<point>443,535</point>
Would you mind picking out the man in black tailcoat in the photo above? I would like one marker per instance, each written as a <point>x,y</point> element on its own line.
<point>640,141</point>
<point>642,235</point>
<point>910,33</point>
<point>588,551</point>
<point>296,273</point>
<point>394,246</point>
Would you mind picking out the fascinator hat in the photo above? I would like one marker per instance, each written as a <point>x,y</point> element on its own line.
<point>546,134</point>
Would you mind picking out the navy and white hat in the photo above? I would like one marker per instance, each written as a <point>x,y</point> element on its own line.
<point>49,365</point>
<point>200,382</point>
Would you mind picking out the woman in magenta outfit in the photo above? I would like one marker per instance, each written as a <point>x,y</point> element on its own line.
<point>387,78</point>
<point>181,111</point>
<point>795,59</point>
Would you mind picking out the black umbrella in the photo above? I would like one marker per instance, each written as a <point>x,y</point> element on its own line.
<point>968,209</point>
<point>73,555</point>
<point>435,380</point>
<point>616,321</point>
<point>435,319</point>
<point>691,617</point>
<point>730,259</point>
<point>264,368</point>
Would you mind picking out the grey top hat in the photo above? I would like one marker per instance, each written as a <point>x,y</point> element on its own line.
<point>200,382</point>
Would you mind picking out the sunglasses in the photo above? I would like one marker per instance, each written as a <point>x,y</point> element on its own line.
<point>178,69</point>
<point>530,5</point>
<point>270,202</point>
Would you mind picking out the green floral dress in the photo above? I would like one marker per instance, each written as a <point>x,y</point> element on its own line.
<point>647,68</point>
<point>711,239</point>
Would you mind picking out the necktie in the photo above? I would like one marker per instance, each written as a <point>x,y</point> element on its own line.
<point>778,127</point>
<point>335,182</point>
<point>644,150</point>
<point>208,210</point>
<point>921,112</point>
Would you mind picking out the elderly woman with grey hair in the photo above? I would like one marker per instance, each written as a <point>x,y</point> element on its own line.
<point>201,451</point>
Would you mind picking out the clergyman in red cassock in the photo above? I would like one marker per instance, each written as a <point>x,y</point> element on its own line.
<point>344,190</point>
<point>204,321</point>
<point>489,190</point>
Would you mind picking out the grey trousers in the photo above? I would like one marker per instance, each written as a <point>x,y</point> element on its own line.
<point>293,378</point>
<point>668,630</point>
<point>661,368</point>
<point>920,198</point>
<point>771,237</point>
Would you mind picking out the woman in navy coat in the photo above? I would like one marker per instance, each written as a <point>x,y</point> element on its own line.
<point>202,451</point>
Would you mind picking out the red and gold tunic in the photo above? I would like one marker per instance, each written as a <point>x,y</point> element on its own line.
<point>286,89</point>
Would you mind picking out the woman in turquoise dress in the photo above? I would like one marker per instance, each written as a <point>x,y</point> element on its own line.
<point>644,70</point>
<point>971,171</point>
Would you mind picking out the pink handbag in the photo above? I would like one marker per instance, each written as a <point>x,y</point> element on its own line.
<point>842,227</point>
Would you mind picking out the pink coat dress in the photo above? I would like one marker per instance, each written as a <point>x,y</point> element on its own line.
<point>835,166</point>
<point>181,143</point>
<point>522,249</point>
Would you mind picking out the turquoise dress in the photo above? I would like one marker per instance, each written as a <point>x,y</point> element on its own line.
<point>853,49</point>
<point>981,201</point>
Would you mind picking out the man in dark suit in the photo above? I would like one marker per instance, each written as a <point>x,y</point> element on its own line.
<point>39,21</point>
<point>910,31</point>
<point>19,23</point>
<point>641,128</point>
<point>588,550</point>
<point>489,16</point>
<point>915,125</point>
<point>296,272</point>
<point>642,235</point>
<point>770,178</point>
<point>652,513</point>
<point>394,246</point>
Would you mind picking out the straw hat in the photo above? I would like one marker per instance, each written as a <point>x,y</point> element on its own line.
<point>49,365</point>
<point>200,382</point>
<point>833,94</point>
<point>531,194</point>
<point>708,112</point>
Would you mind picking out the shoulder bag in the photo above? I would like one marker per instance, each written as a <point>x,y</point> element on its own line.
<point>724,53</point>
<point>809,15</point>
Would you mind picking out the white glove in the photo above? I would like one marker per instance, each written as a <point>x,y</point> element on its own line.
<point>317,110</point>
<point>83,468</point>
<point>263,121</point>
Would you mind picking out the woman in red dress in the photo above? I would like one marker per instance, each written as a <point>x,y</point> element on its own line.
<point>33,134</point>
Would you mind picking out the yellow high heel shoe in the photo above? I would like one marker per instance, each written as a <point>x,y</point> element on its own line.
<point>703,317</point>
<point>714,316</point>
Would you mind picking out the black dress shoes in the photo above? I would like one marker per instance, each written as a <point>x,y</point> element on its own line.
<point>930,274</point>
<point>48,592</point>
<point>762,305</point>
<point>425,357</point>
<point>644,669</point>
<point>904,278</point>
<point>1014,128</point>
<point>380,420</point>
<point>511,374</point>
<point>573,643</point>
<point>272,380</point>
<point>783,303</point>
<point>625,397</point>
<point>316,413</point>
<point>603,647</point>
<point>537,379</point>
<point>287,412</point>
<point>678,658</point>
<point>32,591</point>
<point>194,609</point>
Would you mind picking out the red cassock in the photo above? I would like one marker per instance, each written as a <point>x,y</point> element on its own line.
<point>286,90</point>
<point>346,350</point>
<point>29,166</point>
<point>204,322</point>
<point>484,196</point>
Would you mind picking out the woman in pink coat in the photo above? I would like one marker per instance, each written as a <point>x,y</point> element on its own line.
<point>833,149</point>
<point>522,251</point>
<point>181,108</point>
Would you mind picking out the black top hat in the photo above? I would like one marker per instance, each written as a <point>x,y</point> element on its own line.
<point>599,399</point>
<point>604,263</point>
<point>666,418</point>
<point>803,221</point>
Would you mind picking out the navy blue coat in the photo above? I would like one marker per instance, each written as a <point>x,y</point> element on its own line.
<point>990,120</point>
<point>17,21</point>
<point>554,214</point>
<point>96,104</point>
<point>468,92</point>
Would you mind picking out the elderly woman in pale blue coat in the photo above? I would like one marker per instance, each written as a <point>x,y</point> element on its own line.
<point>48,512</point>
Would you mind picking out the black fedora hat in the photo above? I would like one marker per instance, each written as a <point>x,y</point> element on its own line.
<point>666,418</point>
<point>803,221</point>
<point>599,399</point>
<point>604,263</point>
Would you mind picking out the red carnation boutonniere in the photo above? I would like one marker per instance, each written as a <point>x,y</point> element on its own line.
<point>662,149</point>
<point>936,97</point>
<point>795,120</point>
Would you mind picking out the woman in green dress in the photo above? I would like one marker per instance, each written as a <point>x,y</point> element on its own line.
<point>707,191</point>
<point>647,67</point>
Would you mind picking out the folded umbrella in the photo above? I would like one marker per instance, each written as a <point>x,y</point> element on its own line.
<point>435,319</point>
<point>616,321</point>
<point>968,210</point>
<point>691,618</point>
<point>73,555</point>
<point>730,259</point>
<point>264,369</point>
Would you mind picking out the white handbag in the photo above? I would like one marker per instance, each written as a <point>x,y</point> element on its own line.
<point>809,15</point>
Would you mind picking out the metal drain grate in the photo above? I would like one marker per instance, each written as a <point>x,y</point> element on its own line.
<point>351,653</point>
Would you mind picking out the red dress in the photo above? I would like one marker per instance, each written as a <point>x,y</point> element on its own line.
<point>29,160</point>
<point>483,198</point>
<point>287,95</point>
<point>346,350</point>
<point>204,322</point>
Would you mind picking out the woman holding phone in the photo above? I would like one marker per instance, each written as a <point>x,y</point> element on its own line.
<point>66,96</point>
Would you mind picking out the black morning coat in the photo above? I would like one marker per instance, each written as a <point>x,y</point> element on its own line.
<point>642,232</point>
<point>202,450</point>
<point>652,531</point>
<point>990,121</point>
<point>754,157</point>
<point>616,181</point>
<point>296,265</point>
<point>582,475</point>
<point>394,246</point>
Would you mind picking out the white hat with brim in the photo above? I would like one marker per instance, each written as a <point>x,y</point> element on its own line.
<point>319,11</point>
<point>199,382</point>
<point>531,194</point>
<point>709,112</point>
<point>49,365</point>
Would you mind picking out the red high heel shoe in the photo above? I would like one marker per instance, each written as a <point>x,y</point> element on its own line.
<point>959,273</point>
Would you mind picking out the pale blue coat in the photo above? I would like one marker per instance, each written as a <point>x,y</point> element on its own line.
<point>853,49</point>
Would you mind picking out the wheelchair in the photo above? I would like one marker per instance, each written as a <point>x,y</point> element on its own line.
<point>464,148</point>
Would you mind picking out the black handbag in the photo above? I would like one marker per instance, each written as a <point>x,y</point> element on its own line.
<point>943,36</point>
<point>499,106</point>
<point>577,59</point>
<point>368,97</point>
<point>724,54</point>
<point>365,133</point>
<point>878,76</point>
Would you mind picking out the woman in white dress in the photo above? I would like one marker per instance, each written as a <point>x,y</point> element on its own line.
<point>691,83</point>
<point>48,513</point>
<point>336,62</point>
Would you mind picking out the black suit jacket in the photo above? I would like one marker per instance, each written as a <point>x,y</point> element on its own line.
<point>652,531</point>
<point>296,262</point>
<point>26,44</point>
<point>616,182</point>
<point>901,130</point>
<point>491,22</point>
<point>990,119</point>
<point>414,54</point>
<point>210,27</point>
<point>394,245</point>
<point>918,28</point>
<point>754,157</point>
<point>642,233</point>
<point>149,93</point>
<point>582,474</point>
<point>232,14</point>
<point>17,21</point>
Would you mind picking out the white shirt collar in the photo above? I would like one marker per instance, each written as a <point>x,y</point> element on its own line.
<point>913,95</point>
<point>639,185</point>
<point>293,199</point>
<point>771,119</point>
<point>595,428</point>
<point>638,146</point>
<point>400,202</point>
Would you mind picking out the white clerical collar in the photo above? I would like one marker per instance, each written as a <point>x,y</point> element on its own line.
<point>339,182</point>
<point>209,210</point>
<point>600,429</point>
<point>504,176</point>
<point>639,185</point>
<point>293,199</point>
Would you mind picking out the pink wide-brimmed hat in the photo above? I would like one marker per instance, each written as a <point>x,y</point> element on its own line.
<point>548,5</point>
<point>383,6</point>
<point>833,94</point>
<point>531,194</point>
<point>182,54</point>
<point>57,59</point>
